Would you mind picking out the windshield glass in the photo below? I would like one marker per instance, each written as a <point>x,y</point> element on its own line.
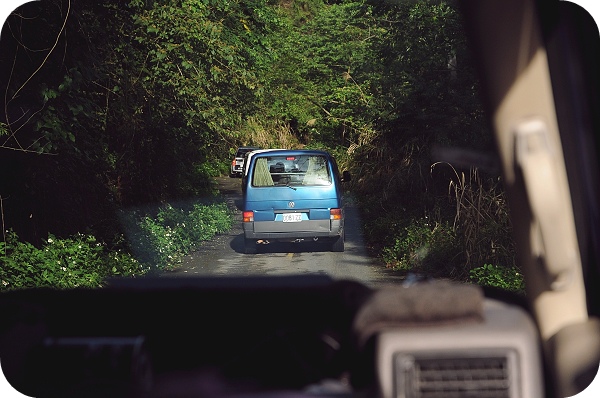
<point>119,123</point>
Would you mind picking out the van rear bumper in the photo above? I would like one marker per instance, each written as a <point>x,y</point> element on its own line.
<point>277,230</point>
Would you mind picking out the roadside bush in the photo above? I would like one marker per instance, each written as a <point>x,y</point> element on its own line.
<point>157,242</point>
<point>468,225</point>
<point>507,278</point>
<point>213,169</point>
<point>164,239</point>
<point>422,246</point>
<point>78,261</point>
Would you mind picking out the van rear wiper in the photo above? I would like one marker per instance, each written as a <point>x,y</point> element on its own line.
<point>289,186</point>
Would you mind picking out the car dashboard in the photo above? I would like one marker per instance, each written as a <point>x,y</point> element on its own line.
<point>295,336</point>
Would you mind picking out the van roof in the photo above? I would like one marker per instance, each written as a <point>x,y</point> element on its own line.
<point>294,152</point>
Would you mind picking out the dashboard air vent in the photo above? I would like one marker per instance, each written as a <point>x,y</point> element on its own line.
<point>455,376</point>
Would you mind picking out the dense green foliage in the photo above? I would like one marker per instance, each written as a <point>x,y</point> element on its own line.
<point>507,278</point>
<point>162,239</point>
<point>132,103</point>
<point>156,240</point>
<point>78,261</point>
<point>421,246</point>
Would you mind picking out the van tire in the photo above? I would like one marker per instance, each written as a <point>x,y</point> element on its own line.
<point>249,246</point>
<point>338,244</point>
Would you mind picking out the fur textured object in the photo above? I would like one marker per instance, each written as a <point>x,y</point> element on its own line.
<point>421,304</point>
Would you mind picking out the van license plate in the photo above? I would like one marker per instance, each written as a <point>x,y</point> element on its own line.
<point>292,217</point>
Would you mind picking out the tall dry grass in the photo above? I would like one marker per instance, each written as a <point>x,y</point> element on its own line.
<point>482,219</point>
<point>269,134</point>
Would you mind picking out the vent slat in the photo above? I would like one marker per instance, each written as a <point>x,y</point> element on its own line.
<point>457,377</point>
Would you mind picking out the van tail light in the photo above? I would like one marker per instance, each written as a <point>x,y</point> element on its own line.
<point>248,216</point>
<point>233,162</point>
<point>335,214</point>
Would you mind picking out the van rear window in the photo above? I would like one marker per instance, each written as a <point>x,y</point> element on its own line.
<point>291,170</point>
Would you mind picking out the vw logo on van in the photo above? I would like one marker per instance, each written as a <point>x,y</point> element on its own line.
<point>291,205</point>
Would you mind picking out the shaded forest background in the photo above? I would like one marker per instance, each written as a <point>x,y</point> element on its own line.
<point>130,103</point>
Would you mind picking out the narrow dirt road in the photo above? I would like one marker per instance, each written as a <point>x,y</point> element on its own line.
<point>224,255</point>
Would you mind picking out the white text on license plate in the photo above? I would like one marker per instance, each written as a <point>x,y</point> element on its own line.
<point>292,217</point>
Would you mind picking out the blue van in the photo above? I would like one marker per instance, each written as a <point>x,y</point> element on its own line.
<point>293,196</point>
